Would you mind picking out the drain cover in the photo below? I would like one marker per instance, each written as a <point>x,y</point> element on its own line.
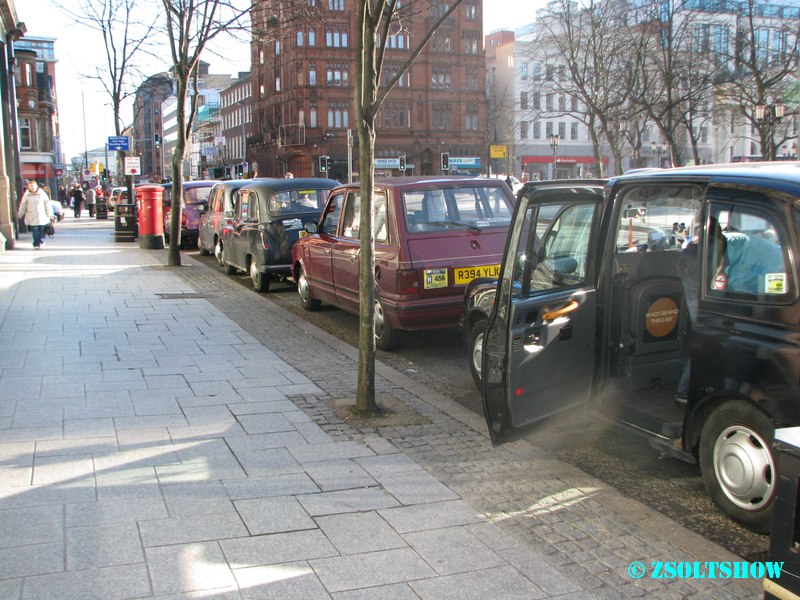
<point>183,295</point>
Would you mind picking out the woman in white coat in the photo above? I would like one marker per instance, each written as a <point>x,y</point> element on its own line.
<point>36,210</point>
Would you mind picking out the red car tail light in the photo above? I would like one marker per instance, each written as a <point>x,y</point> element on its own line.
<point>183,221</point>
<point>407,281</point>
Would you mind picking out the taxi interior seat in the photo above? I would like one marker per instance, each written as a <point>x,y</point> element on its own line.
<point>654,323</point>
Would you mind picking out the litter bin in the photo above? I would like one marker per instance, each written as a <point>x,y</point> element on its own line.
<point>151,217</point>
<point>784,541</point>
<point>101,210</point>
<point>125,227</point>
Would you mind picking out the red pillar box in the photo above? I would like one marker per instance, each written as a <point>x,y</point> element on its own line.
<point>151,218</point>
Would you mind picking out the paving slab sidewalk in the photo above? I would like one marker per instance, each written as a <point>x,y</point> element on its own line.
<point>166,433</point>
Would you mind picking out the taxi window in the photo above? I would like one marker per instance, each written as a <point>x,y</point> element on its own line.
<point>196,195</point>
<point>466,207</point>
<point>555,252</point>
<point>296,201</point>
<point>656,218</point>
<point>352,216</point>
<point>330,220</point>
<point>746,257</point>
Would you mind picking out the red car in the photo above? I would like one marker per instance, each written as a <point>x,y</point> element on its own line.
<point>432,237</point>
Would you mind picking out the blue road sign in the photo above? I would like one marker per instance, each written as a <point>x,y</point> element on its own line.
<point>118,142</point>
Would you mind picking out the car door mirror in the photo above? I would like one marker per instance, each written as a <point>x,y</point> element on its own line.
<point>312,227</point>
<point>228,214</point>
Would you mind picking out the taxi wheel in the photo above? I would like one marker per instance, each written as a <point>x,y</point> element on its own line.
<point>386,338</point>
<point>203,250</point>
<point>260,280</point>
<point>229,268</point>
<point>308,303</point>
<point>738,465</point>
<point>476,335</point>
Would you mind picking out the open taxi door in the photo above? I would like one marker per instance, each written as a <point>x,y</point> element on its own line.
<point>539,351</point>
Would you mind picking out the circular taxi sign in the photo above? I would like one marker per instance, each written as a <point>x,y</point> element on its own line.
<point>720,282</point>
<point>662,317</point>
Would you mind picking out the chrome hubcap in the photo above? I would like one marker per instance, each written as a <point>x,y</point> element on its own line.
<point>302,286</point>
<point>254,271</point>
<point>379,320</point>
<point>218,251</point>
<point>477,351</point>
<point>744,468</point>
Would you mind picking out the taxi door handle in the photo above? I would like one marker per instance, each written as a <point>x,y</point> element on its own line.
<point>562,311</point>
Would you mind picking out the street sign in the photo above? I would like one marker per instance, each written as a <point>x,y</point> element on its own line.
<point>133,165</point>
<point>118,142</point>
<point>498,151</point>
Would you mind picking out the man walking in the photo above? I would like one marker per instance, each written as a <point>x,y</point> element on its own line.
<point>35,209</point>
<point>90,199</point>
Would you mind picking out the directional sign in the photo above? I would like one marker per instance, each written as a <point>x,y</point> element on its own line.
<point>118,142</point>
<point>133,165</point>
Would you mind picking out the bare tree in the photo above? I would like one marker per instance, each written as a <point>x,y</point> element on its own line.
<point>190,25</point>
<point>767,65</point>
<point>126,34</point>
<point>377,22</point>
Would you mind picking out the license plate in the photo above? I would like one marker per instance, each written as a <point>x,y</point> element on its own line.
<point>463,275</point>
<point>435,278</point>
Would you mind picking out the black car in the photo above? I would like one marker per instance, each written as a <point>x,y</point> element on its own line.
<point>669,300</point>
<point>270,217</point>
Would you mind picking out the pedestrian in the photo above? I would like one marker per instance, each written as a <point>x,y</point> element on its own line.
<point>36,211</point>
<point>77,200</point>
<point>63,198</point>
<point>90,195</point>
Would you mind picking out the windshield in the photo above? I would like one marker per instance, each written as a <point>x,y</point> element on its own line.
<point>198,195</point>
<point>456,208</point>
<point>297,201</point>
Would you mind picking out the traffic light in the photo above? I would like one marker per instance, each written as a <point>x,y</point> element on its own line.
<point>402,162</point>
<point>323,164</point>
<point>445,161</point>
<point>240,170</point>
<point>330,163</point>
<point>105,175</point>
<point>156,139</point>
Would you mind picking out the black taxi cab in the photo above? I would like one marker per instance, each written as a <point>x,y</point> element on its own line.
<point>667,299</point>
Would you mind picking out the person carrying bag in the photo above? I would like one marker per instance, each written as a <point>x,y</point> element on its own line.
<point>36,211</point>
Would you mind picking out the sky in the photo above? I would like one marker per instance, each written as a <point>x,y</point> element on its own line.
<point>84,107</point>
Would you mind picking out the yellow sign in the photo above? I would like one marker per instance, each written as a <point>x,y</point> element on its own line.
<point>498,151</point>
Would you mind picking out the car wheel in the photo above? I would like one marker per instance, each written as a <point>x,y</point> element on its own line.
<point>260,280</point>
<point>218,252</point>
<point>386,338</point>
<point>737,463</point>
<point>308,303</point>
<point>203,250</point>
<point>476,335</point>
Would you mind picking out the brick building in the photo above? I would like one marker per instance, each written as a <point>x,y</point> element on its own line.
<point>303,77</point>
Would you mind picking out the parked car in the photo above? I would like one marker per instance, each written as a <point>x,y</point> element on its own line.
<point>220,212</point>
<point>114,197</point>
<point>270,217</point>
<point>598,303</point>
<point>195,198</point>
<point>433,235</point>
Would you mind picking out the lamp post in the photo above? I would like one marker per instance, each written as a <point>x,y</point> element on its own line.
<point>767,116</point>
<point>657,149</point>
<point>554,141</point>
<point>242,104</point>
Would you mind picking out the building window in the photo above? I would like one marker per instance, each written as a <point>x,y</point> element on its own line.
<point>562,131</point>
<point>25,134</point>
<point>440,8</point>
<point>277,47</point>
<point>523,100</point>
<point>574,104</point>
<point>548,129</point>
<point>300,38</point>
<point>537,130</point>
<point>261,56</point>
<point>537,72</point>
<point>312,115</point>
<point>261,91</point>
<point>471,118</point>
<point>398,42</point>
<point>390,71</point>
<point>312,74</point>
<point>442,42</point>
<point>441,78</point>
<point>471,11</point>
<point>441,117</point>
<point>277,83</point>
<point>312,37</point>
<point>573,130</point>
<point>523,130</point>
<point>548,102</point>
<point>537,101</point>
<point>338,75</point>
<point>471,42</point>
<point>336,39</point>
<point>335,4</point>
<point>396,116</point>
<point>338,115</point>
<point>523,71</point>
<point>472,81</point>
<point>562,103</point>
